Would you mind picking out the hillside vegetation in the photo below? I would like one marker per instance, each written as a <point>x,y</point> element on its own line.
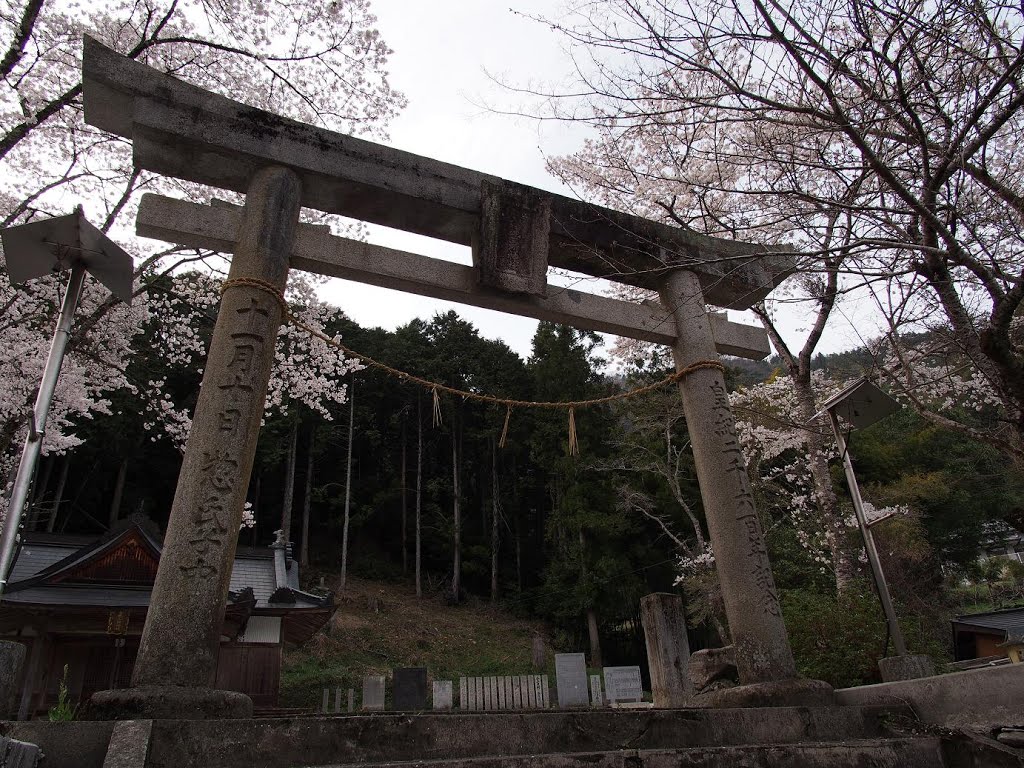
<point>380,626</point>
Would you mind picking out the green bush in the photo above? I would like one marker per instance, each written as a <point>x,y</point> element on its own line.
<point>840,639</point>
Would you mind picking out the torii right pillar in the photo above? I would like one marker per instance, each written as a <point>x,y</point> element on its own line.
<point>764,659</point>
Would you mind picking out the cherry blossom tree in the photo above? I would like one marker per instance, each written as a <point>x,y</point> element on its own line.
<point>318,62</point>
<point>877,136</point>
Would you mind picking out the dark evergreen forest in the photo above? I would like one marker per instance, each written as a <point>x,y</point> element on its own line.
<point>574,540</point>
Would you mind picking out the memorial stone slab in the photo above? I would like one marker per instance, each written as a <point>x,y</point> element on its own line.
<point>325,704</point>
<point>478,683</point>
<point>463,693</point>
<point>442,698</point>
<point>351,699</point>
<point>373,693</point>
<point>571,679</point>
<point>531,692</point>
<point>623,684</point>
<point>517,692</point>
<point>501,702</point>
<point>596,699</point>
<point>545,692</point>
<point>410,686</point>
<point>337,700</point>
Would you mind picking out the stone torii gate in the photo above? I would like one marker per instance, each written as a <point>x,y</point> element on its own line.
<point>515,232</point>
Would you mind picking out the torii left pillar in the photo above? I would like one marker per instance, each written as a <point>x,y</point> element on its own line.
<point>175,671</point>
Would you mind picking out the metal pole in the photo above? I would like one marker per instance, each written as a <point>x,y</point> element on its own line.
<point>34,441</point>
<point>869,542</point>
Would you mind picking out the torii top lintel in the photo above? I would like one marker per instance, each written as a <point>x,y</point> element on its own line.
<point>180,130</point>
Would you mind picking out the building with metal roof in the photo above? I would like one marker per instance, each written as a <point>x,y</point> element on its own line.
<point>984,635</point>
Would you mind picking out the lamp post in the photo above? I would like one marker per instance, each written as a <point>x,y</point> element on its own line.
<point>34,250</point>
<point>860,405</point>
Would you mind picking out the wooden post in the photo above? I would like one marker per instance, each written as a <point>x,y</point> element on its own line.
<point>668,649</point>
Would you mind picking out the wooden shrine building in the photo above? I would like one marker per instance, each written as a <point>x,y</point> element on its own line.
<point>81,602</point>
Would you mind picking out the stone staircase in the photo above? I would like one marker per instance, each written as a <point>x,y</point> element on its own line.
<point>811,737</point>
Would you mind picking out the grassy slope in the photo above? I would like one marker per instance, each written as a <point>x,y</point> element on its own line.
<point>378,627</point>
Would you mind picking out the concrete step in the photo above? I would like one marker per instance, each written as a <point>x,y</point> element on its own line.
<point>915,752</point>
<point>389,738</point>
<point>397,738</point>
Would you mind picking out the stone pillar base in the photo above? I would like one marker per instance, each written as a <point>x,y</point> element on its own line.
<point>12,657</point>
<point>777,693</point>
<point>167,702</point>
<point>905,667</point>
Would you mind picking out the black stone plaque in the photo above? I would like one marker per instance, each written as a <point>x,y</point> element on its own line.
<point>410,687</point>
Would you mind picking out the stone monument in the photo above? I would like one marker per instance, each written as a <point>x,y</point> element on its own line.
<point>571,679</point>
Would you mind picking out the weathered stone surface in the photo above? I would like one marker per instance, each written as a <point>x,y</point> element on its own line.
<point>571,679</point>
<point>373,693</point>
<point>75,744</point>
<point>181,637</point>
<point>741,557</point>
<point>1011,737</point>
<point>512,252</point>
<point>978,698</point>
<point>394,738</point>
<point>18,754</point>
<point>167,702</point>
<point>12,658</point>
<point>129,744</point>
<point>910,667</point>
<point>409,688</point>
<point>317,251</point>
<point>712,666</point>
<point>623,684</point>
<point>442,694</point>
<point>596,694</point>
<point>777,693</point>
<point>171,123</point>
<point>668,649</point>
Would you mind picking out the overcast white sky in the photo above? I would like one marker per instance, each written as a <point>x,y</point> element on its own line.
<point>443,52</point>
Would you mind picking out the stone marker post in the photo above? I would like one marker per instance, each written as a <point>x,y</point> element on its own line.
<point>741,558</point>
<point>12,658</point>
<point>668,649</point>
<point>177,661</point>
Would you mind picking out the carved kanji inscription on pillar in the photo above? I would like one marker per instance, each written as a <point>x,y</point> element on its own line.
<point>746,514</point>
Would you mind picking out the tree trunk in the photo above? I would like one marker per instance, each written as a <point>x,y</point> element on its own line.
<point>39,489</point>
<point>832,522</point>
<point>419,492</point>
<point>58,496</point>
<point>519,559</point>
<point>595,639</point>
<point>304,552</point>
<point>495,516</point>
<point>289,482</point>
<point>592,630</point>
<point>405,507</point>
<point>115,502</point>
<point>456,518</point>
<point>348,481</point>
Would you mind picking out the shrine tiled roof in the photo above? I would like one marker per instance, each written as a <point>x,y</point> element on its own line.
<point>53,570</point>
